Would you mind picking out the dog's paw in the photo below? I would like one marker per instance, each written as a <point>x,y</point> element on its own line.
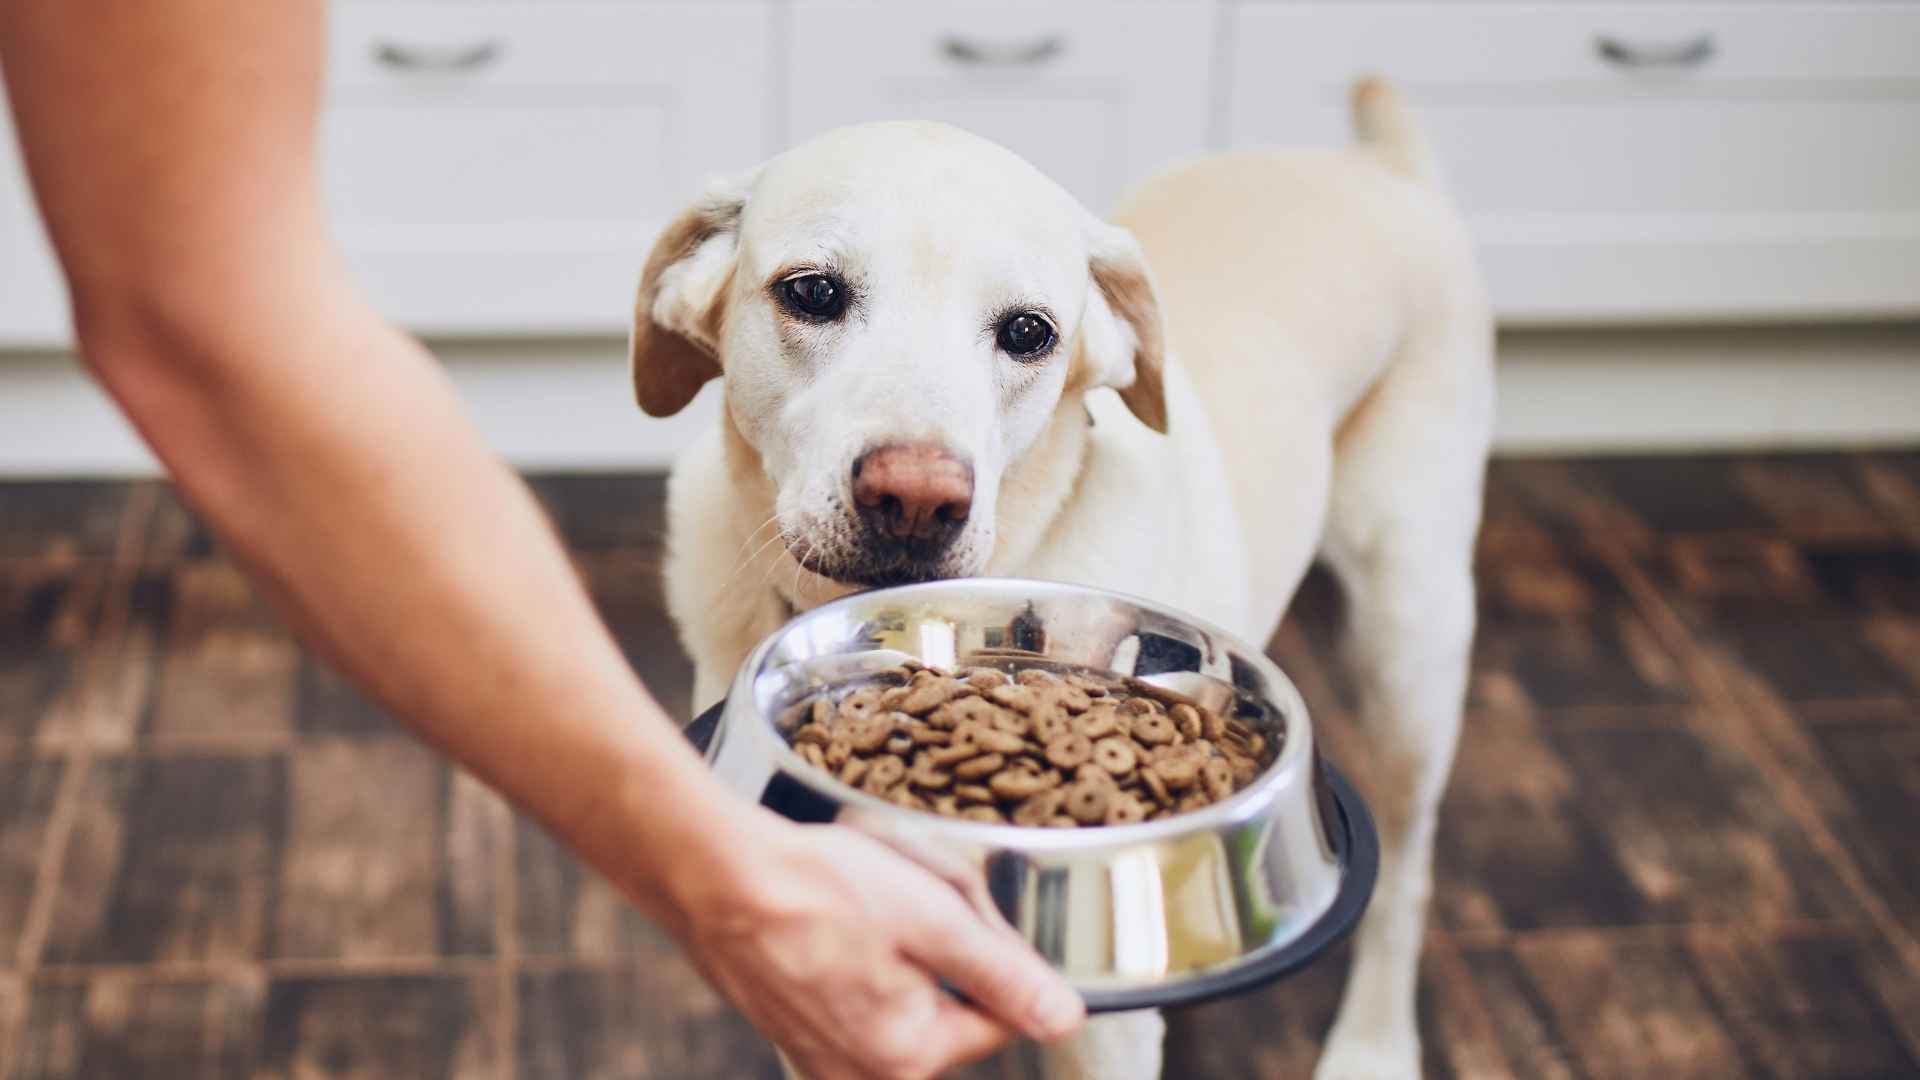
<point>1358,1058</point>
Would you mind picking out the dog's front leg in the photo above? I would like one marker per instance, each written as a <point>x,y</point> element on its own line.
<point>1116,1046</point>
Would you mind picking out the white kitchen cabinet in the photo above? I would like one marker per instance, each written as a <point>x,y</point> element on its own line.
<point>33,299</point>
<point>502,168</point>
<point>1096,93</point>
<point>1635,162</point>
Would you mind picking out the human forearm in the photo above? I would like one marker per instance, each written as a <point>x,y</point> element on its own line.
<point>330,454</point>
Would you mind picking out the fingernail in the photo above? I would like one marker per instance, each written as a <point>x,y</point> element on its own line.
<point>1058,1012</point>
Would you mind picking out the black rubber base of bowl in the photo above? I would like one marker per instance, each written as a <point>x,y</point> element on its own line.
<point>1354,843</point>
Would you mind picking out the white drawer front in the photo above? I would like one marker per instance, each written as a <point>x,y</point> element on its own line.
<point>33,298</point>
<point>496,167</point>
<point>1094,93</point>
<point>1493,44</point>
<point>1773,172</point>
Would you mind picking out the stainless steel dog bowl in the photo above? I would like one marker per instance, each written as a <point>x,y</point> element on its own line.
<point>1159,913</point>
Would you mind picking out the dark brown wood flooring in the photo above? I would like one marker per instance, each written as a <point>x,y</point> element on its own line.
<point>1682,840</point>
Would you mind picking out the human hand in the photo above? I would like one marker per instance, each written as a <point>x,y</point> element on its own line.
<point>832,947</point>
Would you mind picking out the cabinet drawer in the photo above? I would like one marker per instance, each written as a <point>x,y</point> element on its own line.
<point>1712,161</point>
<point>1095,94</point>
<point>503,167</point>
<point>537,44</point>
<point>1494,44</point>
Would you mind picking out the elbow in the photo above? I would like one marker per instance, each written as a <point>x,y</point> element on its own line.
<point>128,335</point>
<point>134,349</point>
<point>154,345</point>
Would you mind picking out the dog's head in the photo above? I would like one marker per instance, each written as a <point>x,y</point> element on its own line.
<point>899,311</point>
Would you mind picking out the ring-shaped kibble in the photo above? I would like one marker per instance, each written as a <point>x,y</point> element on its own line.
<point>1050,724</point>
<point>1070,751</point>
<point>1115,755</point>
<point>954,754</point>
<point>1000,742</point>
<point>1125,810</point>
<point>1218,776</point>
<point>1154,729</point>
<point>1074,701</point>
<point>924,699</point>
<point>986,678</point>
<point>930,778</point>
<point>886,771</point>
<point>1156,785</point>
<point>1011,722</point>
<point>859,704</point>
<point>979,767</point>
<point>1018,698</point>
<point>869,734</point>
<point>1099,722</point>
<point>1017,784</point>
<point>973,793</point>
<point>838,752</point>
<point>1179,772</point>
<point>1039,808</point>
<point>1087,802</point>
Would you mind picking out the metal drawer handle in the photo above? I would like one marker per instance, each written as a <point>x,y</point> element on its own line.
<point>415,58</point>
<point>1002,53</point>
<point>1678,54</point>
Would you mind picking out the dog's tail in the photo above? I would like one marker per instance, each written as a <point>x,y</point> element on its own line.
<point>1385,126</point>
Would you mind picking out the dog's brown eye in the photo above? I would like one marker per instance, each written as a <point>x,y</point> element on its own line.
<point>1026,334</point>
<point>814,296</point>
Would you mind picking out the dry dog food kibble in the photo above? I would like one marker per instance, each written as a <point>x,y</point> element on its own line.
<point>1033,746</point>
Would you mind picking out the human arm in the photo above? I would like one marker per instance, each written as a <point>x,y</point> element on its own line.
<point>171,149</point>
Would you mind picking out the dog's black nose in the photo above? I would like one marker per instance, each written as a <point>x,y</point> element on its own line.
<point>915,495</point>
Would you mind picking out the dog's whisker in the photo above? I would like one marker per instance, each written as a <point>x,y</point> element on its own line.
<point>750,560</point>
<point>772,519</point>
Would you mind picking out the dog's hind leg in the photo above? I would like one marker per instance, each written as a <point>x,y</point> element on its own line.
<point>1403,514</point>
<point>1116,1046</point>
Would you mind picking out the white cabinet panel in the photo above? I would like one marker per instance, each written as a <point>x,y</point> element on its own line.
<point>501,168</point>
<point>1096,93</point>
<point>33,298</point>
<point>1636,162</point>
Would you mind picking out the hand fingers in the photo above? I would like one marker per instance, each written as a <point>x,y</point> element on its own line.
<point>955,1036</point>
<point>1004,978</point>
<point>965,1035</point>
<point>948,865</point>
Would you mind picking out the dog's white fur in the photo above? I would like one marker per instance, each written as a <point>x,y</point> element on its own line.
<point>1331,396</point>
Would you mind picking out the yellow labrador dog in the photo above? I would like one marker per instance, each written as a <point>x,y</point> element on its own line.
<point>936,363</point>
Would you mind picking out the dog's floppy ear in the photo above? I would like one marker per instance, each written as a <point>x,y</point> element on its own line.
<point>1125,343</point>
<point>675,345</point>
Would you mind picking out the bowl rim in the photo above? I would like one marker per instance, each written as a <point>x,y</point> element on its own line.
<point>1292,765</point>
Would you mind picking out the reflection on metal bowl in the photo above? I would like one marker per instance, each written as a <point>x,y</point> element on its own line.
<point>1163,912</point>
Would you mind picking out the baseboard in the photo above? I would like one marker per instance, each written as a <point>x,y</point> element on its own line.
<point>1722,388</point>
<point>553,405</point>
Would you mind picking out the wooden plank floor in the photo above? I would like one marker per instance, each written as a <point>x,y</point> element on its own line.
<point>1680,840</point>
